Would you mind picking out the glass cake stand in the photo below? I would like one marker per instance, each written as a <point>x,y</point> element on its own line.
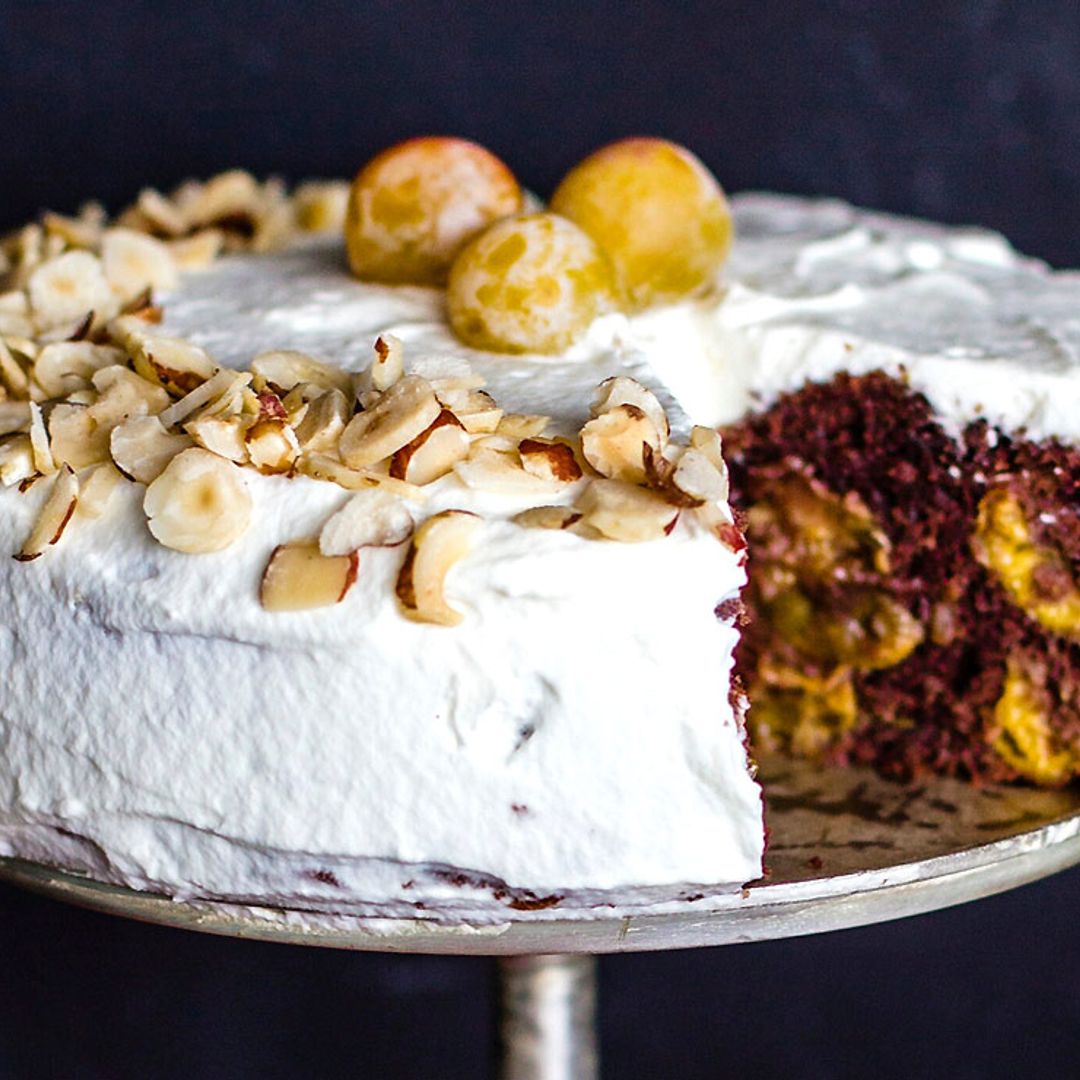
<point>846,849</point>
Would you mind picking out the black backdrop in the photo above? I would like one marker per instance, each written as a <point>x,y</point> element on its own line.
<point>963,111</point>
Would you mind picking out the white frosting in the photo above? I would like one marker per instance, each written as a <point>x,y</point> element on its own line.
<point>573,736</point>
<point>815,287</point>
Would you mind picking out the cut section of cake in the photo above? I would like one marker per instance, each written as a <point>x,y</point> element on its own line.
<point>902,445</point>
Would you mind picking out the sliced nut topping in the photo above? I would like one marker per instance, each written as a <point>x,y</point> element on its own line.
<point>697,477</point>
<point>521,426</point>
<point>659,465</point>
<point>548,517</point>
<point>124,394</point>
<point>367,399</point>
<point>224,383</point>
<point>13,325</point>
<point>613,443</point>
<point>622,390</point>
<point>39,442</point>
<point>142,306</point>
<point>457,384</point>
<point>719,521</point>
<point>27,252</point>
<point>14,301</point>
<point>54,517</point>
<point>63,368</point>
<point>623,511</point>
<point>389,363</point>
<point>14,416</point>
<point>134,262</point>
<point>98,488</point>
<point>287,368</point>
<point>24,349</point>
<point>198,251</point>
<point>323,421</point>
<point>221,436</point>
<point>299,577</point>
<point>707,441</point>
<point>550,460</point>
<point>372,518</point>
<point>320,205</point>
<point>15,318</point>
<point>433,453</point>
<point>200,503</point>
<point>16,460</point>
<point>711,487</point>
<point>660,473</point>
<point>76,330</point>
<point>270,406</point>
<point>173,363</point>
<point>494,442</point>
<point>327,468</point>
<point>274,225</point>
<point>402,413</point>
<point>238,399</point>
<point>79,308</point>
<point>439,543</point>
<point>447,373</point>
<point>65,289</point>
<point>477,410</point>
<point>296,401</point>
<point>230,199</point>
<point>13,379</point>
<point>77,232</point>
<point>161,214</point>
<point>492,470</point>
<point>127,332</point>
<point>142,448</point>
<point>271,445</point>
<point>75,439</point>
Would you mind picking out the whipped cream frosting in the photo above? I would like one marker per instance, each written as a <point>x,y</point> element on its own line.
<point>816,286</point>
<point>571,743</point>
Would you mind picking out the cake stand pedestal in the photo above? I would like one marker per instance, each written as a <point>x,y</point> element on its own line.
<point>547,1017</point>
<point>847,849</point>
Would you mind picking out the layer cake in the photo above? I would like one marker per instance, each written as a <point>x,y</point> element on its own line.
<point>487,668</point>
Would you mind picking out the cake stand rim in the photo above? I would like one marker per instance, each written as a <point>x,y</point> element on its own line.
<point>760,912</point>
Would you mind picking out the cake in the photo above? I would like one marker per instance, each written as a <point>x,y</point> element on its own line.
<point>422,595</point>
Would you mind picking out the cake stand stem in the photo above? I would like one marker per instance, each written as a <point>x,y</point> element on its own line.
<point>547,1021</point>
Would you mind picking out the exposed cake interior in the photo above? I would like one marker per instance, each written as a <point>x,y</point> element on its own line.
<point>913,600</point>
<point>901,407</point>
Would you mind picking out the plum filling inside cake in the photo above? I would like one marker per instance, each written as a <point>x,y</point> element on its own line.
<point>914,600</point>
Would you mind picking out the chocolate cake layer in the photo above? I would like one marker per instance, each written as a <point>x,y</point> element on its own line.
<point>913,600</point>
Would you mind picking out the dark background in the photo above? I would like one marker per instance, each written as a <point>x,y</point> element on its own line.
<point>959,111</point>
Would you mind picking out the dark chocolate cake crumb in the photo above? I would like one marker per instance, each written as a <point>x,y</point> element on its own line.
<point>729,610</point>
<point>872,439</point>
<point>324,877</point>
